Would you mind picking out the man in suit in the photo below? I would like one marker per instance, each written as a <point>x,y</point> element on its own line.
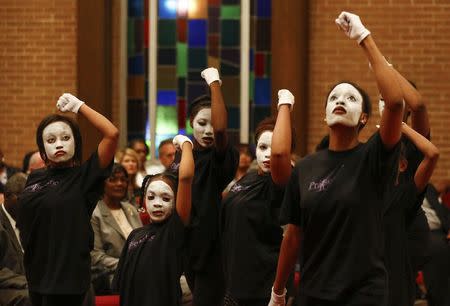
<point>13,284</point>
<point>436,271</point>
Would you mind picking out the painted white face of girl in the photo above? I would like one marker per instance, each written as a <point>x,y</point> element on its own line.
<point>263,150</point>
<point>203,129</point>
<point>159,200</point>
<point>59,143</point>
<point>344,106</point>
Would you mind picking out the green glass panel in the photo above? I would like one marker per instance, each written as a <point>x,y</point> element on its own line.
<point>130,37</point>
<point>230,12</point>
<point>166,120</point>
<point>189,130</point>
<point>167,32</point>
<point>230,33</point>
<point>181,60</point>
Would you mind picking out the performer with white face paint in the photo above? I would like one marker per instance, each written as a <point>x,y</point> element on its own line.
<point>216,162</point>
<point>333,203</point>
<point>151,262</point>
<point>57,204</point>
<point>251,232</point>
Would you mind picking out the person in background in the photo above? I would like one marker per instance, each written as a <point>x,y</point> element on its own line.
<point>112,221</point>
<point>246,157</point>
<point>141,148</point>
<point>13,283</point>
<point>129,159</point>
<point>166,156</point>
<point>35,162</point>
<point>57,204</point>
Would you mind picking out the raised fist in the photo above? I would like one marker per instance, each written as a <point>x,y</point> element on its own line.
<point>352,26</point>
<point>285,97</point>
<point>179,140</point>
<point>69,103</point>
<point>210,75</point>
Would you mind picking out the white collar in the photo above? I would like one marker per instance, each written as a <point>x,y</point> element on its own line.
<point>11,220</point>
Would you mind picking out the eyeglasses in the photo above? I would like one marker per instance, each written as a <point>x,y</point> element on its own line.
<point>117,180</point>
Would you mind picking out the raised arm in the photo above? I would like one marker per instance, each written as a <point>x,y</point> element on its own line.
<point>185,177</point>
<point>419,113</point>
<point>219,115</point>
<point>280,158</point>
<point>385,76</point>
<point>110,134</point>
<point>431,156</point>
<point>286,261</point>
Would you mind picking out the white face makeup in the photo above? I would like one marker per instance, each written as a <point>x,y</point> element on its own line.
<point>263,149</point>
<point>159,200</point>
<point>344,106</point>
<point>203,129</point>
<point>59,143</point>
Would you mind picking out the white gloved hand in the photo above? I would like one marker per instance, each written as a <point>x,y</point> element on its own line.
<point>210,75</point>
<point>68,102</point>
<point>179,140</point>
<point>285,97</point>
<point>352,26</point>
<point>277,299</point>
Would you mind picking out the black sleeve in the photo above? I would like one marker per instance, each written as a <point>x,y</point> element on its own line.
<point>290,208</point>
<point>414,202</point>
<point>92,179</point>
<point>225,165</point>
<point>120,266</point>
<point>177,230</point>
<point>382,163</point>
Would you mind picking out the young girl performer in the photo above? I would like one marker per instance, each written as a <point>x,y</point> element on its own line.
<point>251,235</point>
<point>333,203</point>
<point>57,204</point>
<point>151,262</point>
<point>216,162</point>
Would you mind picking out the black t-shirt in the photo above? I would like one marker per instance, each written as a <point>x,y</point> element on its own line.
<point>252,236</point>
<point>150,265</point>
<point>213,171</point>
<point>55,229</point>
<point>337,200</point>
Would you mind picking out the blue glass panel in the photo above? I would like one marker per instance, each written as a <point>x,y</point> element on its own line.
<point>264,8</point>
<point>136,65</point>
<point>233,117</point>
<point>166,97</point>
<point>167,9</point>
<point>262,91</point>
<point>197,33</point>
<point>135,8</point>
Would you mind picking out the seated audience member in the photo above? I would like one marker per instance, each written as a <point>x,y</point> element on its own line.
<point>141,148</point>
<point>112,222</point>
<point>246,157</point>
<point>166,156</point>
<point>129,159</point>
<point>35,162</point>
<point>26,161</point>
<point>13,283</point>
<point>6,171</point>
<point>436,272</point>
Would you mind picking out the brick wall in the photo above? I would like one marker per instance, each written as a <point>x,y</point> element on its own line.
<point>37,64</point>
<point>413,34</point>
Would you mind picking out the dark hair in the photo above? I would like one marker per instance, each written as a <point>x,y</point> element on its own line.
<point>164,142</point>
<point>366,103</point>
<point>245,148</point>
<point>138,140</point>
<point>324,143</point>
<point>165,176</point>
<point>118,168</point>
<point>26,161</point>
<point>268,124</point>
<point>15,184</point>
<point>75,130</point>
<point>197,104</point>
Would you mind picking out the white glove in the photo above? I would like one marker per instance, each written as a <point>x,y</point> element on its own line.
<point>277,300</point>
<point>285,97</point>
<point>68,102</point>
<point>210,75</point>
<point>179,140</point>
<point>352,26</point>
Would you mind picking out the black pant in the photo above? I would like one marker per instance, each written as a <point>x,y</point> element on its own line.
<point>354,299</point>
<point>207,285</point>
<point>436,272</point>
<point>230,301</point>
<point>38,299</point>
